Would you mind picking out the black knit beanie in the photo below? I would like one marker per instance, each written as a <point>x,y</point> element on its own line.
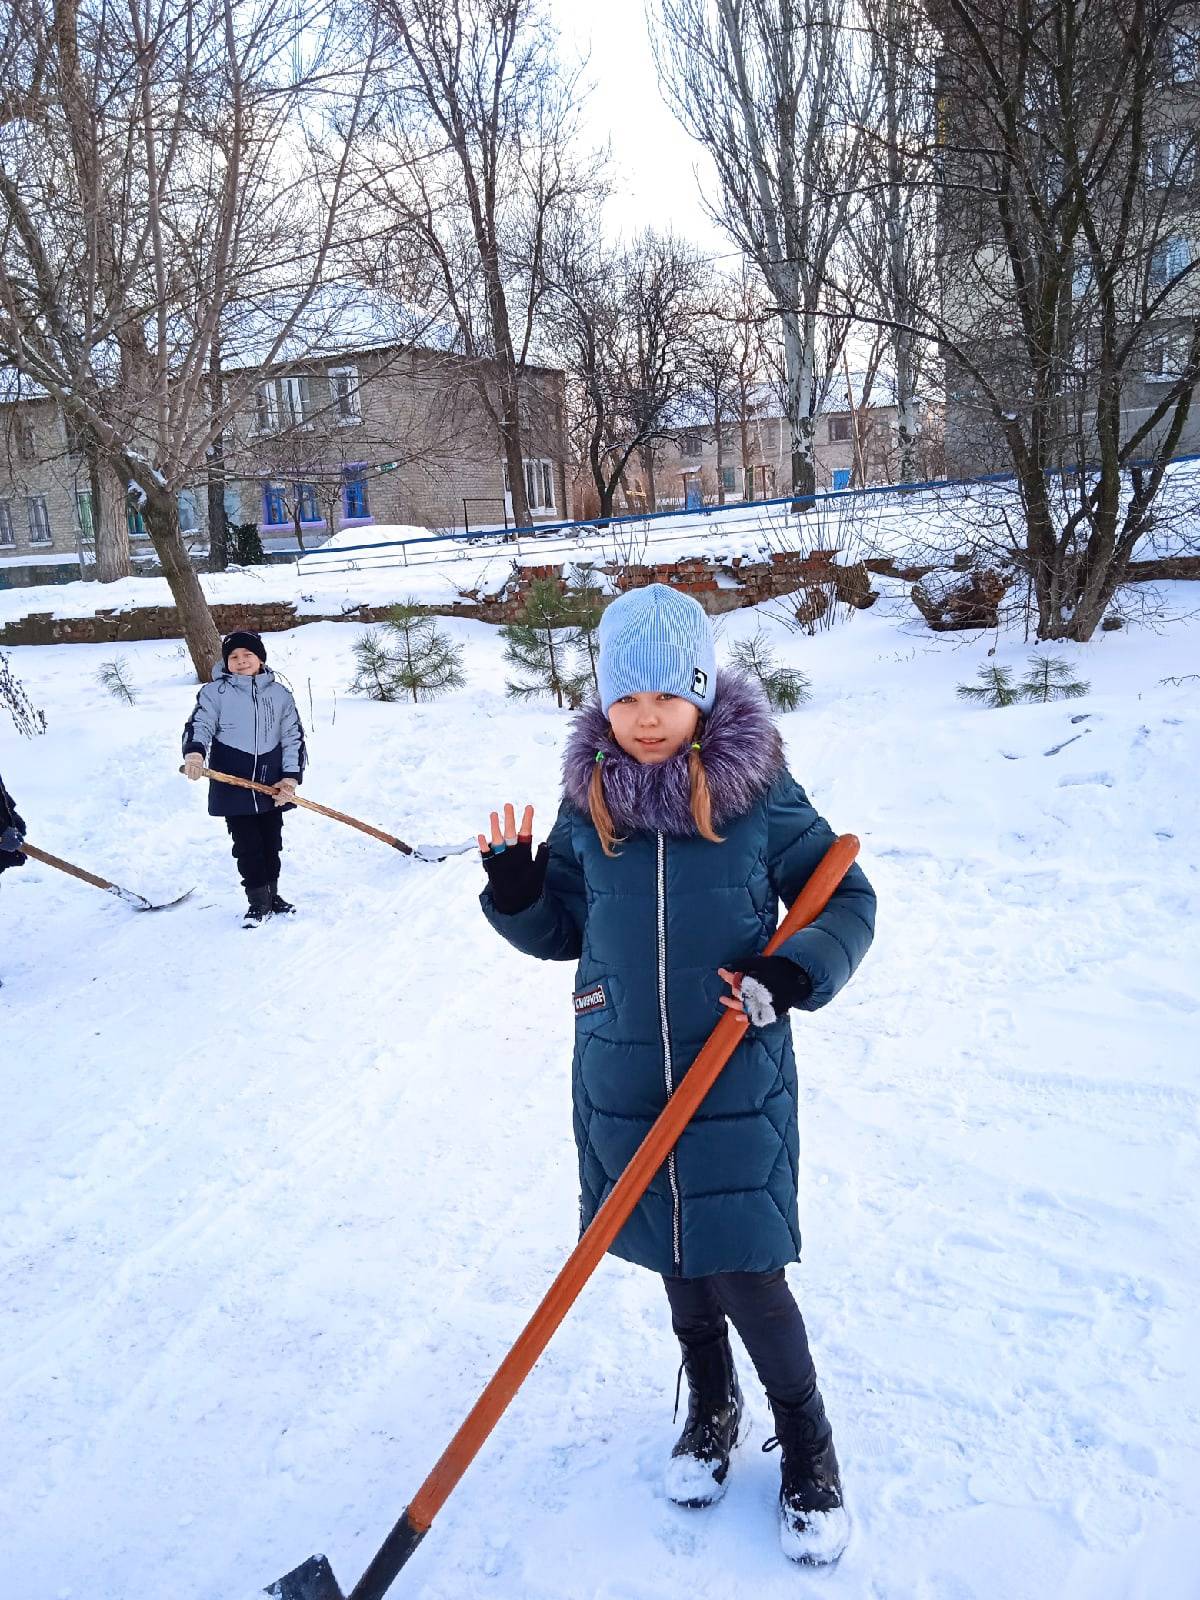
<point>242,640</point>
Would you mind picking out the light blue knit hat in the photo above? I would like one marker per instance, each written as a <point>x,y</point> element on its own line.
<point>657,641</point>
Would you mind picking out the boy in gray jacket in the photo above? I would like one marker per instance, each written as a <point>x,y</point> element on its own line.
<point>247,724</point>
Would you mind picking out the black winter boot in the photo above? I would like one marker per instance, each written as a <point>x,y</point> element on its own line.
<point>280,906</point>
<point>699,1462</point>
<point>813,1525</point>
<point>258,906</point>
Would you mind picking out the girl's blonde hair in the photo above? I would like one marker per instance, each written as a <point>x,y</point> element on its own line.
<point>701,802</point>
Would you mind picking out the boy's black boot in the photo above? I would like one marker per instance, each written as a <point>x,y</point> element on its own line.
<point>258,906</point>
<point>813,1525</point>
<point>280,906</point>
<point>699,1462</point>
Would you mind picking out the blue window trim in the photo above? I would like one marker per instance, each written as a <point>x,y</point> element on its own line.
<point>841,477</point>
<point>356,505</point>
<point>274,515</point>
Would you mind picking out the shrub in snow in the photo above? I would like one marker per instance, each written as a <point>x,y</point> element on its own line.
<point>544,646</point>
<point>412,659</point>
<point>785,687</point>
<point>995,687</point>
<point>27,719</point>
<point>1049,678</point>
<point>114,677</point>
<point>950,600</point>
<point>245,544</point>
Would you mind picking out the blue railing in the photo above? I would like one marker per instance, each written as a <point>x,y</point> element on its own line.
<point>546,530</point>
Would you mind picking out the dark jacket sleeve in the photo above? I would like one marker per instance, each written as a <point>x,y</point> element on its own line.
<point>830,948</point>
<point>10,817</point>
<point>552,927</point>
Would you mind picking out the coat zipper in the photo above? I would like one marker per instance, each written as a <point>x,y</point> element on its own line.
<point>668,1074</point>
<point>254,702</point>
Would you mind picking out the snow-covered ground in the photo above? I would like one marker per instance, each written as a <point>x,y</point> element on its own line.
<point>273,1205</point>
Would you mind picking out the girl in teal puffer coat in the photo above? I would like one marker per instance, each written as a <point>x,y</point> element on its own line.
<point>679,832</point>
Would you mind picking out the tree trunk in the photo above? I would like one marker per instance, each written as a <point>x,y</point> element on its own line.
<point>720,460</point>
<point>218,529</point>
<point>797,358</point>
<point>510,438</point>
<point>109,524</point>
<point>161,515</point>
<point>646,458</point>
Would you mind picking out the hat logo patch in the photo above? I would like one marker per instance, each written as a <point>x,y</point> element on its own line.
<point>700,681</point>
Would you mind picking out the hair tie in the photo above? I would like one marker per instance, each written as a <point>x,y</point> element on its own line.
<point>694,747</point>
<point>599,757</point>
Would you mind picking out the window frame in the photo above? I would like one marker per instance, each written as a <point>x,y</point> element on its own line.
<point>43,521</point>
<point>266,407</point>
<point>841,429</point>
<point>347,404</point>
<point>8,532</point>
<point>274,497</point>
<point>354,476</point>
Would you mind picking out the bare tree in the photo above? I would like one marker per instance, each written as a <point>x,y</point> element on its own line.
<point>731,369</point>
<point>170,178</point>
<point>775,92</point>
<point>895,229</point>
<point>1066,306</point>
<point>474,161</point>
<point>622,320</point>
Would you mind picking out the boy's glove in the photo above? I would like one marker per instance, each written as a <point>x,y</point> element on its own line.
<point>771,985</point>
<point>193,765</point>
<point>11,840</point>
<point>287,791</point>
<point>516,876</point>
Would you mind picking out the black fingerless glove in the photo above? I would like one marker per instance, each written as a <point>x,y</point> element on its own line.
<point>516,876</point>
<point>771,985</point>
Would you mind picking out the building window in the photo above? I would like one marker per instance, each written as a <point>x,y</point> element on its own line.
<point>354,493</point>
<point>728,479</point>
<point>691,443</point>
<point>841,477</point>
<point>1170,258</point>
<point>1184,54</point>
<point>306,502</point>
<point>539,485</point>
<point>1166,357</point>
<point>547,486</point>
<point>135,522</point>
<point>39,520</point>
<point>275,512</point>
<point>7,537</point>
<point>839,429</point>
<point>189,515</point>
<point>291,401</point>
<point>343,389</point>
<point>1171,162</point>
<point>84,519</point>
<point>266,403</point>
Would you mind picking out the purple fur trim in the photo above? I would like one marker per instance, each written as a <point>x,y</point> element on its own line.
<point>739,745</point>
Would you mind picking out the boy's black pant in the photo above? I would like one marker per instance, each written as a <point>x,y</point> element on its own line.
<point>257,842</point>
<point>761,1308</point>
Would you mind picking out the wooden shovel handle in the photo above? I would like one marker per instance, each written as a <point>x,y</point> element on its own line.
<point>613,1214</point>
<point>309,805</point>
<point>48,860</point>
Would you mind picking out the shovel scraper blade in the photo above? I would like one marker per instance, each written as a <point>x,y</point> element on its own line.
<point>311,1580</point>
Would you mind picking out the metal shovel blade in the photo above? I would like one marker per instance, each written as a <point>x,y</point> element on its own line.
<point>311,1580</point>
<point>439,852</point>
<point>140,903</point>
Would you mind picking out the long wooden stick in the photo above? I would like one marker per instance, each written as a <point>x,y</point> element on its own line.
<point>416,1520</point>
<point>310,805</point>
<point>131,898</point>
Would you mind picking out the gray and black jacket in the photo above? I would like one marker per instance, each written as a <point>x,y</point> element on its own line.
<point>250,728</point>
<point>10,817</point>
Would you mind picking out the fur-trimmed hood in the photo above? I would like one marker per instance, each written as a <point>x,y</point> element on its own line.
<point>739,745</point>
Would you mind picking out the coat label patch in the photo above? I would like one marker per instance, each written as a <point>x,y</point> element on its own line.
<point>593,999</point>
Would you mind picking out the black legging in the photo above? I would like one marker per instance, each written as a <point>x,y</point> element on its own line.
<point>257,842</point>
<point>761,1308</point>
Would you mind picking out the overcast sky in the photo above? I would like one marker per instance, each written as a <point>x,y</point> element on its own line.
<point>655,163</point>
